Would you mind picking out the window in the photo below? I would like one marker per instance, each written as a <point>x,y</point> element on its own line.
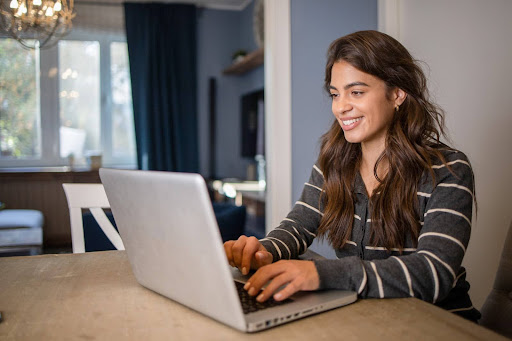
<point>80,104</point>
<point>20,132</point>
<point>79,97</point>
<point>123,139</point>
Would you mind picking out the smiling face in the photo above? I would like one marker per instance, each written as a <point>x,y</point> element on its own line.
<point>362,104</point>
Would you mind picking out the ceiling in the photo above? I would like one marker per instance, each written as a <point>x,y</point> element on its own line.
<point>233,5</point>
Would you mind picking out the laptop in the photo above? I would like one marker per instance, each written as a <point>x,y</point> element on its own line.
<point>174,247</point>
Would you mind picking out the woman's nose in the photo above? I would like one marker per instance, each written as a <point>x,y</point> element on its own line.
<point>340,105</point>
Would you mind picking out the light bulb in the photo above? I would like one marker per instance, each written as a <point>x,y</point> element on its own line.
<point>13,4</point>
<point>37,2</point>
<point>57,7</point>
<point>49,12</point>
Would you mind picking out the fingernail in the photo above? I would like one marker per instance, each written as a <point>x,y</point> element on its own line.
<point>259,298</point>
<point>247,285</point>
<point>277,297</point>
<point>244,270</point>
<point>252,292</point>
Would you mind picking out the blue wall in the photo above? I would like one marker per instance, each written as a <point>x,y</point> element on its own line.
<point>314,25</point>
<point>220,33</point>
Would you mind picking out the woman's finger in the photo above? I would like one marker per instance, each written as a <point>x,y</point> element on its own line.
<point>289,290</point>
<point>264,275</point>
<point>229,254</point>
<point>237,251</point>
<point>298,274</point>
<point>252,245</point>
<point>262,258</point>
<point>277,282</point>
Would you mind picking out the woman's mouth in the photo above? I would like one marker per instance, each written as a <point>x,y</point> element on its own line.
<point>351,123</point>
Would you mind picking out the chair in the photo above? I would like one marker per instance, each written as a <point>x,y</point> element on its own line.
<point>94,198</point>
<point>497,309</point>
<point>230,219</point>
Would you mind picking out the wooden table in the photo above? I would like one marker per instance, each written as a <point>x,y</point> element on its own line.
<point>95,296</point>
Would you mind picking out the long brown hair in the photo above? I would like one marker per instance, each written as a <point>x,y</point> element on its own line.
<point>412,142</point>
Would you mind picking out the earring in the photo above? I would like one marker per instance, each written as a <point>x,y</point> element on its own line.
<point>397,107</point>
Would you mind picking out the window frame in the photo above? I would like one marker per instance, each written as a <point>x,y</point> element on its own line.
<point>49,110</point>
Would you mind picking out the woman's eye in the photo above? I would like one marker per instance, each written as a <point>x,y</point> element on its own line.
<point>357,93</point>
<point>333,95</point>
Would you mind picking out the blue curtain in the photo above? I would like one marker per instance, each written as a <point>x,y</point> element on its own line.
<point>162,51</point>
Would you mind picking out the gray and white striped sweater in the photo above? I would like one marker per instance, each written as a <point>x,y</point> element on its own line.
<point>431,271</point>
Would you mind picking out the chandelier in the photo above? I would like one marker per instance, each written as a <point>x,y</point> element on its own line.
<point>36,23</point>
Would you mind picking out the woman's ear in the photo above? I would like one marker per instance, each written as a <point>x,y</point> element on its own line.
<point>399,96</point>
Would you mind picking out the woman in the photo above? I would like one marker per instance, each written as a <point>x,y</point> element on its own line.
<point>393,201</point>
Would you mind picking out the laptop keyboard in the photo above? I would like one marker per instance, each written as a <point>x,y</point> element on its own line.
<point>249,303</point>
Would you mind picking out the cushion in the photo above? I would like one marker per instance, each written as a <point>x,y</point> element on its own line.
<point>18,218</point>
<point>21,237</point>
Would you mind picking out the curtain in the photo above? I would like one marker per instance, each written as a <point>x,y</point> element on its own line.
<point>162,51</point>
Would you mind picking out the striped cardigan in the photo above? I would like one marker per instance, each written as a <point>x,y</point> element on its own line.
<point>431,271</point>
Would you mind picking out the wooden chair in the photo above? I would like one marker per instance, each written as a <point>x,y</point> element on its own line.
<point>92,197</point>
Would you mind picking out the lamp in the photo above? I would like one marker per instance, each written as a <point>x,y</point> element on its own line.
<point>36,23</point>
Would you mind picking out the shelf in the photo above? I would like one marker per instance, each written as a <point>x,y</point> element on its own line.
<point>251,61</point>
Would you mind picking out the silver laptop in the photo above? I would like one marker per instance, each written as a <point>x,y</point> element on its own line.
<point>173,243</point>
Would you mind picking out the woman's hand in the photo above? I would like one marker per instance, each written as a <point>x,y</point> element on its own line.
<point>295,274</point>
<point>247,253</point>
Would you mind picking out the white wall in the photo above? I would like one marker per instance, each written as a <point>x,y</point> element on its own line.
<point>277,111</point>
<point>468,47</point>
